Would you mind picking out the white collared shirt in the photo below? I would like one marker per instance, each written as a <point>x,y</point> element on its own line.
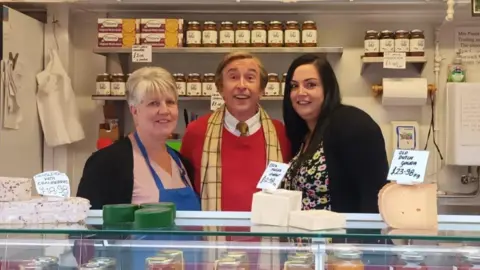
<point>231,122</point>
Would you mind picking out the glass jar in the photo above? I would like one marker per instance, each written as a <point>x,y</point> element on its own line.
<point>387,42</point>
<point>309,34</point>
<point>118,84</point>
<point>227,34</point>
<point>108,263</point>
<point>402,41</point>
<point>103,84</point>
<point>275,34</point>
<point>292,34</point>
<point>159,263</point>
<point>194,34</point>
<point>417,43</point>
<point>411,261</point>
<point>273,85</point>
<point>209,34</point>
<point>259,34</point>
<point>282,86</point>
<point>181,83</point>
<point>348,259</point>
<point>242,34</point>
<point>208,84</point>
<point>228,263</point>
<point>371,44</point>
<point>194,84</point>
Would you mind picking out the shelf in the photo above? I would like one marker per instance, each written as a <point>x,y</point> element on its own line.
<point>418,62</point>
<point>121,98</point>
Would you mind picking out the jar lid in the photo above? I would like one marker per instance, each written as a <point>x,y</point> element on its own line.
<point>386,31</point>
<point>209,22</point>
<point>272,74</point>
<point>103,74</point>
<point>209,74</point>
<point>227,22</point>
<point>275,22</point>
<point>118,74</point>
<point>348,254</point>
<point>284,74</point>
<point>412,256</point>
<point>292,22</point>
<point>193,22</point>
<point>193,74</point>
<point>242,22</point>
<point>417,31</point>
<point>178,75</point>
<point>309,22</point>
<point>401,31</point>
<point>371,32</point>
<point>258,22</point>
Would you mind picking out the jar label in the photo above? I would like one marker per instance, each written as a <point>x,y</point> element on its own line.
<point>209,37</point>
<point>259,36</point>
<point>242,36</point>
<point>282,88</point>
<point>208,88</point>
<point>275,37</point>
<point>103,88</point>
<point>272,89</point>
<point>227,37</point>
<point>118,88</point>
<point>194,89</point>
<point>387,45</point>
<point>372,45</point>
<point>402,45</point>
<point>181,88</point>
<point>194,37</point>
<point>417,45</point>
<point>309,36</point>
<point>292,36</point>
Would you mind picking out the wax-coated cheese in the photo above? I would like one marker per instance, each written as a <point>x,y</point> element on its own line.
<point>149,218</point>
<point>274,208</point>
<point>169,205</point>
<point>13,189</point>
<point>317,220</point>
<point>409,206</point>
<point>118,213</point>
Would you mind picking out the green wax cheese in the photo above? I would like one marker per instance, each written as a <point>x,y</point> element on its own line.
<point>168,205</point>
<point>119,213</point>
<point>155,217</point>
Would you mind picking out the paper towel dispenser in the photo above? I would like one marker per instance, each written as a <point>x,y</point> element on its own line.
<point>404,91</point>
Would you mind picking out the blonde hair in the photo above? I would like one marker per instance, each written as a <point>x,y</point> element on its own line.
<point>148,81</point>
<point>234,56</point>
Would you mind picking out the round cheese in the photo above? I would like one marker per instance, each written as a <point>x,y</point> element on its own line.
<point>168,205</point>
<point>155,217</point>
<point>118,213</point>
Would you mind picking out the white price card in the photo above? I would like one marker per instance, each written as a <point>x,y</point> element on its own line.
<point>273,176</point>
<point>142,53</point>
<point>394,60</point>
<point>408,167</point>
<point>216,101</point>
<point>52,183</point>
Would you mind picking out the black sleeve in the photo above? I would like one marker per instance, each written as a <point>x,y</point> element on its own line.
<point>91,184</point>
<point>189,168</point>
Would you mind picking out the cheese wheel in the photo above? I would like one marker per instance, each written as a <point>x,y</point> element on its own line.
<point>156,217</point>
<point>14,189</point>
<point>409,206</point>
<point>168,205</point>
<point>118,213</point>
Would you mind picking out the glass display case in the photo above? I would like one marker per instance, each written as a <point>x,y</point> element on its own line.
<point>227,240</point>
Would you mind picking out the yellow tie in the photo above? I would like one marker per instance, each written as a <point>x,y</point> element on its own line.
<point>243,128</point>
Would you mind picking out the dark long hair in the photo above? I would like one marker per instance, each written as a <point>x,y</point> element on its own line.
<point>296,127</point>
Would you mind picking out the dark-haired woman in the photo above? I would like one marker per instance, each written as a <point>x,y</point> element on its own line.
<point>341,162</point>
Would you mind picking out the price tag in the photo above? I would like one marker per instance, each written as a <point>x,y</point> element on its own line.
<point>273,176</point>
<point>216,101</point>
<point>142,53</point>
<point>394,60</point>
<point>52,183</point>
<point>408,167</point>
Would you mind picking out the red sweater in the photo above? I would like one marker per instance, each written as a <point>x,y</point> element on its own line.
<point>243,161</point>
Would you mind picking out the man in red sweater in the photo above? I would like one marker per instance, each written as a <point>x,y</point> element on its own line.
<point>230,148</point>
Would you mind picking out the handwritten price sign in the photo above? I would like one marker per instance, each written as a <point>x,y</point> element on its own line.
<point>273,176</point>
<point>52,183</point>
<point>394,60</point>
<point>408,167</point>
<point>216,101</point>
<point>141,53</point>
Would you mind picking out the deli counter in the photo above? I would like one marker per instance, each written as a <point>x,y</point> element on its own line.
<point>228,240</point>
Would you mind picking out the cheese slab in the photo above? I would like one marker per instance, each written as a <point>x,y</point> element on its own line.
<point>13,189</point>
<point>168,205</point>
<point>150,218</point>
<point>409,206</point>
<point>118,213</point>
<point>317,220</point>
<point>273,208</point>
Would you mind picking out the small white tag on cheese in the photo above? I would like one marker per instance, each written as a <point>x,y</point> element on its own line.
<point>408,167</point>
<point>272,176</point>
<point>274,208</point>
<point>52,184</point>
<point>317,220</point>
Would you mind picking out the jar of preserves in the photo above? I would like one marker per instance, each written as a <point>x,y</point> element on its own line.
<point>181,82</point>
<point>292,34</point>
<point>118,84</point>
<point>209,34</point>
<point>228,263</point>
<point>282,86</point>
<point>194,84</point>
<point>109,263</point>
<point>417,43</point>
<point>309,34</point>
<point>159,263</point>
<point>372,44</point>
<point>275,34</point>
<point>242,34</point>
<point>350,259</point>
<point>208,84</point>
<point>411,261</point>
<point>387,41</point>
<point>402,41</point>
<point>259,34</point>
<point>194,34</point>
<point>103,85</point>
<point>227,34</point>
<point>273,85</point>
<point>91,266</point>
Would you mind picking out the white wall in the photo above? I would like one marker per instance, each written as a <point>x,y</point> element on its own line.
<point>345,30</point>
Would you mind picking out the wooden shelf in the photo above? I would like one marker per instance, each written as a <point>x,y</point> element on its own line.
<point>418,62</point>
<point>123,98</point>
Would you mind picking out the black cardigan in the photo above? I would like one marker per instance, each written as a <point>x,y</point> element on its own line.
<point>108,175</point>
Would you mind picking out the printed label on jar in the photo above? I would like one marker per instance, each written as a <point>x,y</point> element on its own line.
<point>272,89</point>
<point>282,88</point>
<point>417,45</point>
<point>309,36</point>
<point>194,89</point>
<point>208,88</point>
<point>227,37</point>
<point>209,37</point>
<point>118,88</point>
<point>402,45</point>
<point>181,88</point>
<point>103,88</point>
<point>275,37</point>
<point>259,36</point>
<point>372,45</point>
<point>292,36</point>
<point>194,37</point>
<point>242,36</point>
<point>387,45</point>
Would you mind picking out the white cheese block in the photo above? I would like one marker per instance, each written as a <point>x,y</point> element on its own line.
<point>317,220</point>
<point>15,189</point>
<point>409,207</point>
<point>273,208</point>
<point>44,210</point>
